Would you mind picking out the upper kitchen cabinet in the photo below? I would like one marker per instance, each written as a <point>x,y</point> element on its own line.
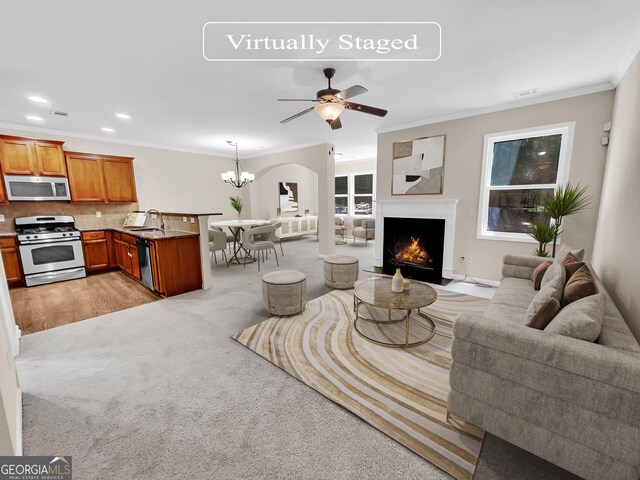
<point>25,156</point>
<point>86,179</point>
<point>100,178</point>
<point>119,179</point>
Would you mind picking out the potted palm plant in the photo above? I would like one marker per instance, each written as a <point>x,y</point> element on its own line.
<point>565,200</point>
<point>236,204</point>
<point>544,233</point>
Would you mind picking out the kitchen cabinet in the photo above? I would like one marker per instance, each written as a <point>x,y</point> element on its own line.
<point>86,179</point>
<point>175,262</point>
<point>176,265</point>
<point>25,156</point>
<point>100,178</point>
<point>119,179</point>
<point>11,261</point>
<point>127,254</point>
<point>3,192</point>
<point>96,251</point>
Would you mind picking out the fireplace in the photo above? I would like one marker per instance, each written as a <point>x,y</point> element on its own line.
<point>416,245</point>
<point>440,209</point>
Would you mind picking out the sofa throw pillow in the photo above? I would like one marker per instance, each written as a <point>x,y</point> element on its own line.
<point>541,310</point>
<point>538,273</point>
<point>564,249</point>
<point>571,264</point>
<point>545,314</point>
<point>580,285</point>
<point>555,273</point>
<point>581,319</point>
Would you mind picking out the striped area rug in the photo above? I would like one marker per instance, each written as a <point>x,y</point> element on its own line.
<point>401,392</point>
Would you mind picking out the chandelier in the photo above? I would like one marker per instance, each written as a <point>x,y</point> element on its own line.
<point>237,178</point>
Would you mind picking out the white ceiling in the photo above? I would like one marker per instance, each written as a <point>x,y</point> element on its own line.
<point>144,58</point>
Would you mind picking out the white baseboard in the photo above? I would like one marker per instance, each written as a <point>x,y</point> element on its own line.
<point>463,278</point>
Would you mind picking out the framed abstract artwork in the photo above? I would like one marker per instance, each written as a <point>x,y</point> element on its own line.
<point>288,192</point>
<point>418,166</point>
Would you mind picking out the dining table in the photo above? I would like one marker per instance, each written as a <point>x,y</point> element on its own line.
<point>240,254</point>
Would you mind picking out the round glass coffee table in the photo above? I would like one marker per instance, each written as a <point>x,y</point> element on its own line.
<point>379,313</point>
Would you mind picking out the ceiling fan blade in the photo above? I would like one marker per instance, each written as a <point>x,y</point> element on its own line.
<point>379,112</point>
<point>297,100</point>
<point>299,114</point>
<point>336,124</point>
<point>351,92</point>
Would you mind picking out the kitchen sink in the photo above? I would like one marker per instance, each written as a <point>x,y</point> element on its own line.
<point>146,229</point>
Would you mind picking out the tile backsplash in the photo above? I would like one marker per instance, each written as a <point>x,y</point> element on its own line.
<point>112,214</point>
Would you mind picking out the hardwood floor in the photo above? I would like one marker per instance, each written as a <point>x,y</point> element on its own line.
<point>48,306</point>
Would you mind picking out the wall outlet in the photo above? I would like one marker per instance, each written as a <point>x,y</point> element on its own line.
<point>98,214</point>
<point>465,259</point>
<point>193,220</point>
<point>184,219</point>
<point>1,218</point>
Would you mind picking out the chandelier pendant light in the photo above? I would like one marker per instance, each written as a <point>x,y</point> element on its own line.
<point>237,177</point>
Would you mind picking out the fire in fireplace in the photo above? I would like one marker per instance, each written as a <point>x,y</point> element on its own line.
<point>415,245</point>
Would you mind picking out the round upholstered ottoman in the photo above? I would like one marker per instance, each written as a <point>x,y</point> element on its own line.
<point>341,271</point>
<point>284,292</point>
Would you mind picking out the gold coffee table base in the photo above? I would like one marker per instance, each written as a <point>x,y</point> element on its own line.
<point>375,303</point>
<point>406,319</point>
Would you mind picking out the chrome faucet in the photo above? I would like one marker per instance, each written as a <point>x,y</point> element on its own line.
<point>153,210</point>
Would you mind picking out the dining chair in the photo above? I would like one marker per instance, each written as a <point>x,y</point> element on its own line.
<point>228,235</point>
<point>218,242</point>
<point>253,240</point>
<point>274,236</point>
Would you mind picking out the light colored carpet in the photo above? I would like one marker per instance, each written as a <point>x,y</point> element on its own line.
<point>161,391</point>
<point>401,392</point>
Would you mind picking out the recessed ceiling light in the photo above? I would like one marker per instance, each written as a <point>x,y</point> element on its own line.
<point>542,153</point>
<point>124,116</point>
<point>37,99</point>
<point>35,118</point>
<point>108,129</point>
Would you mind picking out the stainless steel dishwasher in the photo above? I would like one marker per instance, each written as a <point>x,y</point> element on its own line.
<point>144,260</point>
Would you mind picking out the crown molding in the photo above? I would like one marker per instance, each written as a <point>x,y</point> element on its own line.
<point>601,87</point>
<point>627,60</point>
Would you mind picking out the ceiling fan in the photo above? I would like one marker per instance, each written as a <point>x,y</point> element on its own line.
<point>332,102</point>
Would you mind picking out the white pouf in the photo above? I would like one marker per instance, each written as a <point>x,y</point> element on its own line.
<point>341,271</point>
<point>284,292</point>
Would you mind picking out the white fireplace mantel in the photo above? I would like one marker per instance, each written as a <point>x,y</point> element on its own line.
<point>436,208</point>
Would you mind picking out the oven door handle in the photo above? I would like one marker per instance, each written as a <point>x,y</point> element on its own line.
<point>49,240</point>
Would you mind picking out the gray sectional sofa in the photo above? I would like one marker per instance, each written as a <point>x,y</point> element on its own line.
<point>569,401</point>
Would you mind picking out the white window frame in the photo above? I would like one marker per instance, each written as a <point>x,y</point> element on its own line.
<point>351,189</point>
<point>344,195</point>
<point>564,163</point>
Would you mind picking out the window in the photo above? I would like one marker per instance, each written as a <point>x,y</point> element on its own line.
<point>520,169</point>
<point>363,194</point>
<point>342,195</point>
<point>355,194</point>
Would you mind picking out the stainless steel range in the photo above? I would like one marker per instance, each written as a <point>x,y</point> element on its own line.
<point>50,249</point>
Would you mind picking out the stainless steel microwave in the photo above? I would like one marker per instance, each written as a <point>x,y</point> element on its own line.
<point>23,188</point>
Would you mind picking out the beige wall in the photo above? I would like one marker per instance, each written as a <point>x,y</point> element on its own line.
<point>264,190</point>
<point>463,164</point>
<point>618,233</point>
<point>167,180</point>
<point>10,393</point>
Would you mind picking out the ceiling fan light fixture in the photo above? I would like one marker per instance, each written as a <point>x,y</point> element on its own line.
<point>329,111</point>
